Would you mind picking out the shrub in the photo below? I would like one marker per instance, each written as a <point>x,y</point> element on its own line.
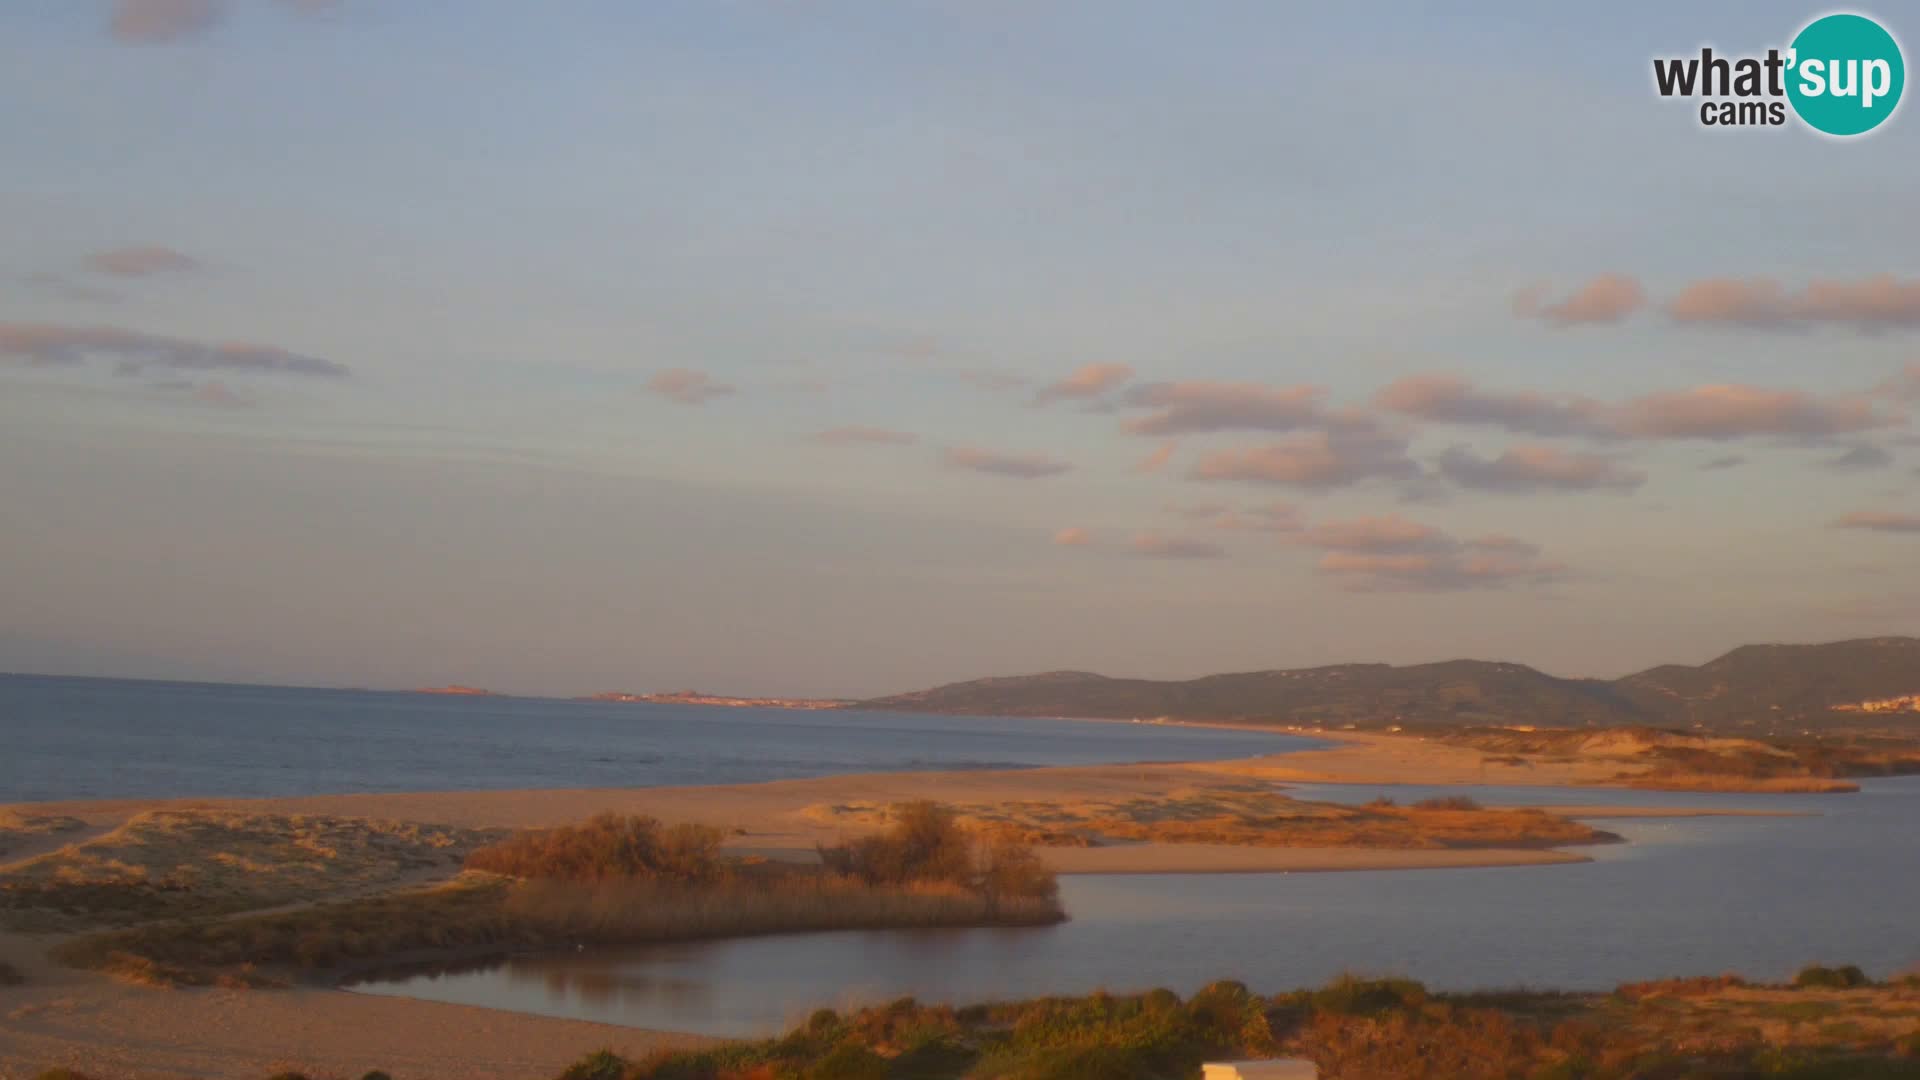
<point>924,843</point>
<point>1350,995</point>
<point>62,1074</point>
<point>375,1074</point>
<point>849,1061</point>
<point>605,847</point>
<point>10,975</point>
<point>1448,802</point>
<point>599,1065</point>
<point>1849,977</point>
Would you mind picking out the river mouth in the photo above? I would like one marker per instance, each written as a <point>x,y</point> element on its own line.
<point>1761,896</point>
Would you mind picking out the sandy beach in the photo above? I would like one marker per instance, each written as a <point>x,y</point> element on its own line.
<point>89,1022</point>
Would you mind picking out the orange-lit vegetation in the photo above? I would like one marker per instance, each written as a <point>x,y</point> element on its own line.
<point>1255,816</point>
<point>609,881</point>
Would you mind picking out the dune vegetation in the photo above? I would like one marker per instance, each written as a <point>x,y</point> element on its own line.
<point>1684,761</point>
<point>1716,1028</point>
<point>172,863</point>
<point>1253,815</point>
<point>608,881</point>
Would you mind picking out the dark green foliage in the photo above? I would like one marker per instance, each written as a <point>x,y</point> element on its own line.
<point>848,1061</point>
<point>600,1065</point>
<point>375,1074</point>
<point>1849,977</point>
<point>1350,995</point>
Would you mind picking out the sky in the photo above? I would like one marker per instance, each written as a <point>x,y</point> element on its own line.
<point>837,348</point>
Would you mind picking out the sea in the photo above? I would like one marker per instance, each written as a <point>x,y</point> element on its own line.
<point>1833,880</point>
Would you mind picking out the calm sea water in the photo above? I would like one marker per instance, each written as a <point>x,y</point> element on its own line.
<point>1762,896</point>
<point>69,738</point>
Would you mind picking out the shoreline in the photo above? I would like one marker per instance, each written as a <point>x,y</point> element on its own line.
<point>93,1023</point>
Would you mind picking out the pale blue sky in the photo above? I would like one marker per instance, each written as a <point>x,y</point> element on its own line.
<point>508,220</point>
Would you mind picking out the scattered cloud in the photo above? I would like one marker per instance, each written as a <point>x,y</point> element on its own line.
<point>1607,298</point>
<point>149,22</point>
<point>1879,521</point>
<point>1337,456</point>
<point>865,436</point>
<point>1859,458</point>
<point>1453,400</point>
<point>1529,469</point>
<point>1205,511</point>
<point>687,387</point>
<point>1730,461</point>
<point>1394,554</point>
<point>1073,537</point>
<point>140,261</point>
<point>145,22</point>
<point>1182,408</point>
<point>1879,302</point>
<point>1389,534</point>
<point>1087,381</point>
<point>1725,411</point>
<point>133,352</point>
<point>1729,411</point>
<point>1156,460</point>
<point>1156,546</point>
<point>1018,466</point>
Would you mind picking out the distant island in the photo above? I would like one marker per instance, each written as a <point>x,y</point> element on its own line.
<point>457,691</point>
<point>695,697</point>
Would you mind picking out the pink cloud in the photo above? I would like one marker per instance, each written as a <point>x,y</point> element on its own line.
<point>1388,533</point>
<point>1192,407</point>
<point>687,387</point>
<point>1878,302</point>
<point>152,21</point>
<point>1730,411</point>
<point>1453,400</point>
<point>1073,537</point>
<point>48,344</point>
<point>1879,521</point>
<point>1607,298</point>
<point>995,463</point>
<point>1528,469</point>
<point>1394,554</point>
<point>1334,457</point>
<point>1276,517</point>
<point>1087,381</point>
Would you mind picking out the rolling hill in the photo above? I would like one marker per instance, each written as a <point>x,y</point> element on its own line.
<point>1755,687</point>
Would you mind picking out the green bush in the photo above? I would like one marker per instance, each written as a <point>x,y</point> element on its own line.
<point>849,1061</point>
<point>1350,995</point>
<point>1849,977</point>
<point>599,1065</point>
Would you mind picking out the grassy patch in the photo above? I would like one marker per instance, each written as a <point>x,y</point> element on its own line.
<point>676,888</point>
<point>177,863</point>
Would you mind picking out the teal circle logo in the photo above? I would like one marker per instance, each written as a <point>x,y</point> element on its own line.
<point>1845,74</point>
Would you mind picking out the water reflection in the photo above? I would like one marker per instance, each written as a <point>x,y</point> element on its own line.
<point>1760,895</point>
